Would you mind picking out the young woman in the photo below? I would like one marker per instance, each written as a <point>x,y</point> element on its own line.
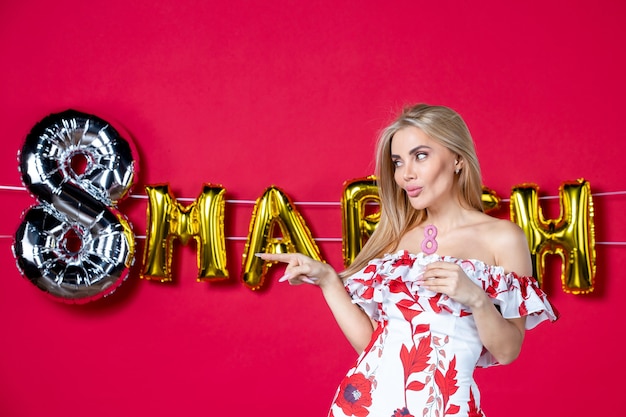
<point>440,287</point>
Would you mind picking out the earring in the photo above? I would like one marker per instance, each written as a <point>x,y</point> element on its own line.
<point>456,171</point>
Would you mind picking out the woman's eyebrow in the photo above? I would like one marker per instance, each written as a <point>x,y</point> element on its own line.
<point>413,151</point>
<point>418,148</point>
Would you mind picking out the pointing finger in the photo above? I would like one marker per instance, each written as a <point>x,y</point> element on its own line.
<point>277,257</point>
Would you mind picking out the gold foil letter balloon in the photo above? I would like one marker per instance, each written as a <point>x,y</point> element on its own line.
<point>274,208</point>
<point>490,200</point>
<point>571,236</point>
<point>357,223</point>
<point>168,220</point>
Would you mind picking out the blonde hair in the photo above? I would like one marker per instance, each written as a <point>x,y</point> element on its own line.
<point>397,216</point>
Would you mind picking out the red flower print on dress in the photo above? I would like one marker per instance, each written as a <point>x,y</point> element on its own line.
<point>448,385</point>
<point>434,302</point>
<point>402,412</point>
<point>473,411</point>
<point>370,269</point>
<point>405,259</point>
<point>415,360</point>
<point>405,307</point>
<point>355,395</point>
<point>368,293</point>
<point>524,284</point>
<point>491,291</point>
<point>523,311</point>
<point>397,286</point>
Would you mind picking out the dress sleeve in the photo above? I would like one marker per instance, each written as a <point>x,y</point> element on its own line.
<point>360,287</point>
<point>520,296</point>
<point>517,296</point>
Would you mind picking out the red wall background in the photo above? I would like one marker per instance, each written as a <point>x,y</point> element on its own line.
<point>249,94</point>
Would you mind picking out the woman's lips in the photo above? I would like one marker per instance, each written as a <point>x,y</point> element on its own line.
<point>413,191</point>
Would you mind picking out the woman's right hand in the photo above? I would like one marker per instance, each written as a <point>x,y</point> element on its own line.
<point>301,268</point>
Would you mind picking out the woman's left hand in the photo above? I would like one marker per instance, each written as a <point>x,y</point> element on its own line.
<point>448,278</point>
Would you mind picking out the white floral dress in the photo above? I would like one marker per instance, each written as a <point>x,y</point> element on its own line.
<point>421,359</point>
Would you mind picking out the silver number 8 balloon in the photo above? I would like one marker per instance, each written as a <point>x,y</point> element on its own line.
<point>74,244</point>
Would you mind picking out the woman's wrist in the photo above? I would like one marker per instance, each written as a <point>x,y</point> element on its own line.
<point>330,279</point>
<point>481,301</point>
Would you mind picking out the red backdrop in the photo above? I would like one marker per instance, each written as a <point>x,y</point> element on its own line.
<point>249,94</point>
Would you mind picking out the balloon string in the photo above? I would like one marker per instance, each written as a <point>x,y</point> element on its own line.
<point>250,202</point>
<point>324,239</point>
<point>314,203</point>
<point>236,238</point>
<point>553,197</point>
<point>12,188</point>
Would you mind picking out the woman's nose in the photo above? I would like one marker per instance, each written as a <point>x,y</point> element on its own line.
<point>409,172</point>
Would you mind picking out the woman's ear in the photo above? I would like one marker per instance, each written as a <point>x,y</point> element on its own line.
<point>458,164</point>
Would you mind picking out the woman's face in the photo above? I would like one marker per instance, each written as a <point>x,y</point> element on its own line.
<point>424,169</point>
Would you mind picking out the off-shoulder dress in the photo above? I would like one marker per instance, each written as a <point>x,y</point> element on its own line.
<point>421,358</point>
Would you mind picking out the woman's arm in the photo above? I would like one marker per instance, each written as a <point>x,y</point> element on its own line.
<point>353,322</point>
<point>511,253</point>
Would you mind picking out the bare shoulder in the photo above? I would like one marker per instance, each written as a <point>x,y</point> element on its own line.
<point>505,231</point>
<point>509,246</point>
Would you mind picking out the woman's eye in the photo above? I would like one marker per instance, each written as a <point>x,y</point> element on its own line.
<point>396,163</point>
<point>420,155</point>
